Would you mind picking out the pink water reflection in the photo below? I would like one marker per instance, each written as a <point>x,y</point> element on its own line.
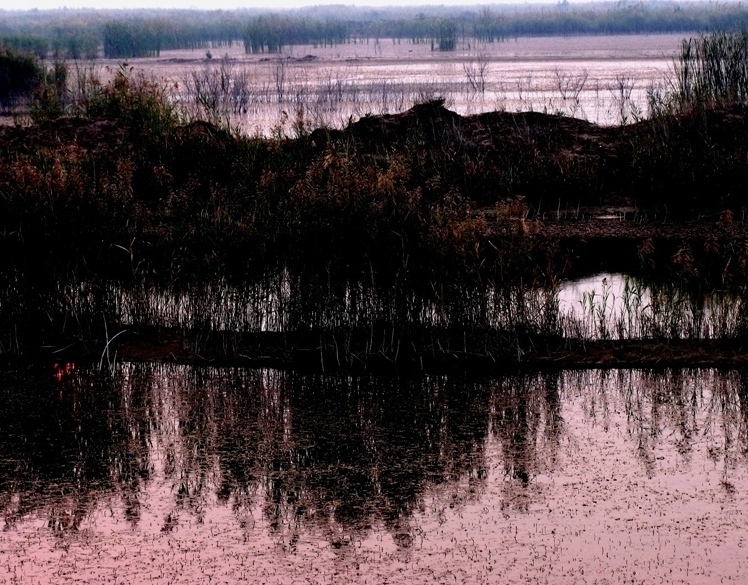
<point>582,477</point>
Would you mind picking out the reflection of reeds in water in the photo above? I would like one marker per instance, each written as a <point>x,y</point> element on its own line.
<point>66,451</point>
<point>332,455</point>
<point>328,454</point>
<point>668,412</point>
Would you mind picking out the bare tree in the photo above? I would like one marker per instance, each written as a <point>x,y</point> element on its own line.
<point>570,85</point>
<point>621,91</point>
<point>475,72</point>
<point>219,90</point>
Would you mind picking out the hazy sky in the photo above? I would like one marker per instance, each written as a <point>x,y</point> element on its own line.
<point>232,4</point>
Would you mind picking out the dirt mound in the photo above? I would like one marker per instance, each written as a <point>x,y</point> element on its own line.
<point>670,162</point>
<point>433,123</point>
<point>202,132</point>
<point>88,134</point>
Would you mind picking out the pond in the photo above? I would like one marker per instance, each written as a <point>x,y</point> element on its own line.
<point>177,474</point>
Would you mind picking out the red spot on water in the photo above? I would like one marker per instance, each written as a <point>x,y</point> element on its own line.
<point>62,371</point>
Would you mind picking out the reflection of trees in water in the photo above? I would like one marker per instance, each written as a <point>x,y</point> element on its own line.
<point>338,453</point>
<point>333,454</point>
<point>526,419</point>
<point>360,450</point>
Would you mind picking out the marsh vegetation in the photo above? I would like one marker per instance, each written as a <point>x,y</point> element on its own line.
<point>270,52</point>
<point>404,238</point>
<point>364,328</point>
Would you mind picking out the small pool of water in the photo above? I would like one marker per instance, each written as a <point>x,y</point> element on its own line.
<point>620,306</point>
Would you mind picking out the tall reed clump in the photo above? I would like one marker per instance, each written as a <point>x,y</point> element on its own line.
<point>711,70</point>
<point>52,97</point>
<point>695,141</point>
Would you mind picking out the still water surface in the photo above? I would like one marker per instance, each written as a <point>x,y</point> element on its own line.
<point>604,79</point>
<point>175,474</point>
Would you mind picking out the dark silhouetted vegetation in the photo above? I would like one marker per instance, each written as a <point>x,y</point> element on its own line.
<point>393,237</point>
<point>712,70</point>
<point>20,74</point>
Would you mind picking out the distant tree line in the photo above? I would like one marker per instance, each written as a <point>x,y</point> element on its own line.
<point>146,33</point>
<point>269,34</point>
<point>132,39</point>
<point>69,45</point>
<point>636,19</point>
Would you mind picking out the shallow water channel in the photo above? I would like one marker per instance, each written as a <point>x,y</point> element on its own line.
<point>176,474</point>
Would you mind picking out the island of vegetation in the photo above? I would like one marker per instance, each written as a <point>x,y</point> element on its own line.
<point>422,239</point>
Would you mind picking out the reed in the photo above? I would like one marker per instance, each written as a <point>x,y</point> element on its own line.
<point>712,70</point>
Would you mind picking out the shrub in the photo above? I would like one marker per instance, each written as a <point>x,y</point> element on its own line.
<point>20,74</point>
<point>139,102</point>
<point>52,96</point>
